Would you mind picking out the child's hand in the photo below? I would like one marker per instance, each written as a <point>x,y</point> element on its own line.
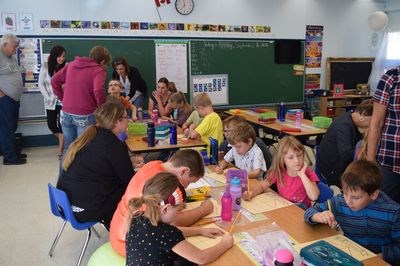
<point>219,170</point>
<point>211,232</point>
<point>302,171</point>
<point>247,195</point>
<point>207,206</point>
<point>325,217</point>
<point>227,240</point>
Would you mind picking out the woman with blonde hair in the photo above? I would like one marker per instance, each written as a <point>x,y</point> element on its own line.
<point>97,167</point>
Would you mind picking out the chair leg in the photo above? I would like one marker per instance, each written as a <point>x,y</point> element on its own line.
<point>84,246</point>
<point>57,238</point>
<point>95,231</point>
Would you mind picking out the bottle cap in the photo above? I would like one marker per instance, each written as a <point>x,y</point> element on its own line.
<point>235,181</point>
<point>283,256</point>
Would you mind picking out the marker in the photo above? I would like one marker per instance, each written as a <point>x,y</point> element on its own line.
<point>233,224</point>
<point>329,205</point>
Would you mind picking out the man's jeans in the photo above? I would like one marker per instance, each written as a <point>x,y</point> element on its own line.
<point>9,115</point>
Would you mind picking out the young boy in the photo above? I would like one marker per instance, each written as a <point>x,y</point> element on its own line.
<point>211,126</point>
<point>365,214</point>
<point>245,152</point>
<point>137,161</point>
<point>229,124</point>
<point>187,165</point>
<point>115,89</point>
<point>193,121</point>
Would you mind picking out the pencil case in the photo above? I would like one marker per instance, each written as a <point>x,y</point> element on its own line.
<point>290,129</point>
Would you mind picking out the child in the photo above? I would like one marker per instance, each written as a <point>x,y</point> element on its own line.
<point>211,126</point>
<point>365,214</point>
<point>187,165</point>
<point>192,122</point>
<point>172,87</point>
<point>295,181</point>
<point>182,109</point>
<point>245,152</point>
<point>115,89</point>
<point>137,161</point>
<point>360,151</point>
<point>229,124</point>
<point>151,239</point>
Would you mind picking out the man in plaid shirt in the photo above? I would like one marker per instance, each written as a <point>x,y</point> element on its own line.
<point>384,132</point>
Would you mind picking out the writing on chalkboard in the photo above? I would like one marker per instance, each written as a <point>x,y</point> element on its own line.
<point>348,71</point>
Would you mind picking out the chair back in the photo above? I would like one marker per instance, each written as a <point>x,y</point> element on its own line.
<point>316,167</point>
<point>61,207</point>
<point>325,192</point>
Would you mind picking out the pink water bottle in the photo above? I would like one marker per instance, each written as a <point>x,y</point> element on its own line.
<point>236,193</point>
<point>226,207</point>
<point>283,257</point>
<point>154,116</point>
<point>299,118</point>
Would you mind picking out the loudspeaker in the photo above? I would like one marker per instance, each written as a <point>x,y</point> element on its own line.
<point>287,52</point>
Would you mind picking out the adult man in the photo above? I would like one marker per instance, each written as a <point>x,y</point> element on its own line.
<point>10,94</point>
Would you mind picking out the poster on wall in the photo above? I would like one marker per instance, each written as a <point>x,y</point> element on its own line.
<point>25,22</point>
<point>216,86</point>
<point>171,62</point>
<point>30,60</point>
<point>313,81</point>
<point>313,54</point>
<point>9,22</point>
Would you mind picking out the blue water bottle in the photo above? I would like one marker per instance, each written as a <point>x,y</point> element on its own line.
<point>213,151</point>
<point>151,135</point>
<point>173,135</point>
<point>281,112</point>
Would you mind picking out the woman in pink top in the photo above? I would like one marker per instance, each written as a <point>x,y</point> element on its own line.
<point>80,88</point>
<point>295,181</point>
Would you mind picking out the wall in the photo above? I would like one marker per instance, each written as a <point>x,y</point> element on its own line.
<point>346,31</point>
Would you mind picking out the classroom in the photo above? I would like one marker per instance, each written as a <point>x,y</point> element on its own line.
<point>249,56</point>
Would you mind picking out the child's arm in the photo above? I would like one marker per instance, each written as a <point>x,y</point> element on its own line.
<point>193,133</point>
<point>204,231</point>
<point>219,169</point>
<point>319,213</point>
<point>188,251</point>
<point>258,189</point>
<point>133,110</point>
<point>187,218</point>
<point>310,186</point>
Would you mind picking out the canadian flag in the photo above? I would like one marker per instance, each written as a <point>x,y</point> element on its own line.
<point>162,2</point>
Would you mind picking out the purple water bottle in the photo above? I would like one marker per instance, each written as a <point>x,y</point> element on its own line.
<point>236,193</point>
<point>173,135</point>
<point>151,135</point>
<point>226,207</point>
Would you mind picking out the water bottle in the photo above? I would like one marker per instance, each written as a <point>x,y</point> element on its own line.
<point>236,193</point>
<point>213,151</point>
<point>151,135</point>
<point>281,112</point>
<point>283,257</point>
<point>299,118</point>
<point>206,159</point>
<point>140,113</point>
<point>154,116</point>
<point>122,136</point>
<point>173,135</point>
<point>226,207</point>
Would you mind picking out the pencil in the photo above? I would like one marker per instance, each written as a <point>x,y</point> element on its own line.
<point>329,205</point>
<point>233,224</point>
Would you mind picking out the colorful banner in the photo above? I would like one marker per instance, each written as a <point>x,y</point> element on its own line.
<point>313,55</point>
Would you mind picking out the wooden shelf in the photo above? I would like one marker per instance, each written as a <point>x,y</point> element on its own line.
<point>334,106</point>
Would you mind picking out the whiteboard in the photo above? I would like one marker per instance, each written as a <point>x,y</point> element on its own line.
<point>171,62</point>
<point>216,86</point>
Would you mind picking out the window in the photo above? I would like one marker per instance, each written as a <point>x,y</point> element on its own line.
<point>393,51</point>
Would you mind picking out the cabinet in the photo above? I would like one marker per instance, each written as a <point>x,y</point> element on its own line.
<point>335,106</point>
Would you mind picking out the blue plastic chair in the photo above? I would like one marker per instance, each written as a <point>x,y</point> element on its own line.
<point>61,207</point>
<point>325,192</point>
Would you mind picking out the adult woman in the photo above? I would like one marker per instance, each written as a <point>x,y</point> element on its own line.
<point>133,84</point>
<point>55,62</point>
<point>336,150</point>
<point>80,88</point>
<point>159,98</point>
<point>97,167</point>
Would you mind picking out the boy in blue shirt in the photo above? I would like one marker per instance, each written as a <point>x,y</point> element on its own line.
<point>365,214</point>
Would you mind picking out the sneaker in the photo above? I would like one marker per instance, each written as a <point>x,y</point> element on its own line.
<point>22,156</point>
<point>17,161</point>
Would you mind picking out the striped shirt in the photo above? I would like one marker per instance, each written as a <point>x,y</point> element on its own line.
<point>388,93</point>
<point>376,227</point>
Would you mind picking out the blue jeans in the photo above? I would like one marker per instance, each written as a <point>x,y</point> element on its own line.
<point>391,184</point>
<point>139,101</point>
<point>73,126</point>
<point>9,115</point>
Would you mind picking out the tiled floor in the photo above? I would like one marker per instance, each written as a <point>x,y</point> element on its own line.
<point>27,225</point>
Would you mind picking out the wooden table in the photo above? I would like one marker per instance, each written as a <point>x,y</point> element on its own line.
<point>290,219</point>
<point>307,130</point>
<point>137,144</point>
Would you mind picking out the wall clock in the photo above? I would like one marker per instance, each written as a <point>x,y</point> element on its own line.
<point>184,7</point>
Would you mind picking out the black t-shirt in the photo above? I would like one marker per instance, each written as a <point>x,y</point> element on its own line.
<point>151,245</point>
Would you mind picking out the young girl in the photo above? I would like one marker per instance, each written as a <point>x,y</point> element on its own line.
<point>182,108</point>
<point>295,181</point>
<point>151,239</point>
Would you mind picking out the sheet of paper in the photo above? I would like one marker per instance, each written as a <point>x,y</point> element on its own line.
<point>219,177</point>
<point>203,242</point>
<point>345,244</point>
<point>200,183</point>
<point>216,211</point>
<point>253,217</point>
<point>265,202</point>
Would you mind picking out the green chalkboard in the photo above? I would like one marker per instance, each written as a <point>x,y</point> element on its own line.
<point>139,53</point>
<point>254,78</point>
